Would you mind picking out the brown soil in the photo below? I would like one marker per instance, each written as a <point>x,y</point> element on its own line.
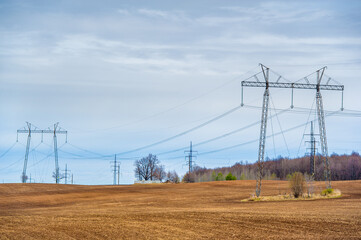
<point>175,211</point>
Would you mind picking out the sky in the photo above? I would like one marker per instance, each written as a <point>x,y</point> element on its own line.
<point>120,75</point>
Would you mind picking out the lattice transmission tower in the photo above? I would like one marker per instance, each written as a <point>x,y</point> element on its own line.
<point>292,85</point>
<point>34,130</point>
<point>190,157</point>
<point>312,149</point>
<point>116,170</point>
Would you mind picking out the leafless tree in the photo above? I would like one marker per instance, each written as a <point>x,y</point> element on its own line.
<point>172,177</point>
<point>61,176</point>
<point>146,168</point>
<point>159,173</point>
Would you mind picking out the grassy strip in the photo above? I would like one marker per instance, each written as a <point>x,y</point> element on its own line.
<point>334,194</point>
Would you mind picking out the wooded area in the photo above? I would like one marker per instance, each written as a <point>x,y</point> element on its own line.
<point>343,167</point>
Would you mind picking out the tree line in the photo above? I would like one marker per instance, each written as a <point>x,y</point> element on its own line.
<point>343,167</point>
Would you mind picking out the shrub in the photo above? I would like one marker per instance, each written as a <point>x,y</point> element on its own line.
<point>288,177</point>
<point>273,176</point>
<point>230,177</point>
<point>242,177</point>
<point>214,176</point>
<point>327,191</point>
<point>297,184</point>
<point>219,177</point>
<point>188,178</point>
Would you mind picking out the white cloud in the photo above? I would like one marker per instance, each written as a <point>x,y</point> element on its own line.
<point>168,15</point>
<point>154,13</point>
<point>271,12</point>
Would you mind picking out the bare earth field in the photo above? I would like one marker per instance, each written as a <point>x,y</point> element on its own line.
<point>175,211</point>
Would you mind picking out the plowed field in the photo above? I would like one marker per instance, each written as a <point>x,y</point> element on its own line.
<point>175,211</point>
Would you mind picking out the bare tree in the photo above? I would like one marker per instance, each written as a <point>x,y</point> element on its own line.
<point>61,176</point>
<point>297,184</point>
<point>146,168</point>
<point>159,173</point>
<point>172,177</point>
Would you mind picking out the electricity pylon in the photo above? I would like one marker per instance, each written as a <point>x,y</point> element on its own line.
<point>190,157</point>
<point>30,130</point>
<point>116,170</point>
<point>312,149</point>
<point>66,174</point>
<point>293,85</point>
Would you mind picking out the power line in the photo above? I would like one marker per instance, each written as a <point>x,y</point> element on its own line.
<point>183,133</point>
<point>12,164</point>
<point>223,135</point>
<point>177,106</point>
<point>8,150</point>
<point>278,120</point>
<point>85,150</point>
<point>255,140</point>
<point>304,131</point>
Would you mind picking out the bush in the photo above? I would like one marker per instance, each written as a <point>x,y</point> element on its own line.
<point>214,176</point>
<point>327,191</point>
<point>188,178</point>
<point>273,176</point>
<point>219,177</point>
<point>242,177</point>
<point>288,177</point>
<point>230,177</point>
<point>297,184</point>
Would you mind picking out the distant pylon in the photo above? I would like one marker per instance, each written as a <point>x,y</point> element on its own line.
<point>66,174</point>
<point>32,129</point>
<point>115,170</point>
<point>312,149</point>
<point>190,157</point>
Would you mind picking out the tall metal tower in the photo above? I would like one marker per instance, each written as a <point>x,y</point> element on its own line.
<point>312,149</point>
<point>116,170</point>
<point>118,173</point>
<point>31,130</point>
<point>190,157</point>
<point>67,173</point>
<point>293,85</point>
<point>322,128</point>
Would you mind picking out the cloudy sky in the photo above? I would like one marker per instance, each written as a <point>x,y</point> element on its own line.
<point>120,75</point>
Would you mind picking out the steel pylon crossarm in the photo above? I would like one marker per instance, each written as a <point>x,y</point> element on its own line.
<point>292,85</point>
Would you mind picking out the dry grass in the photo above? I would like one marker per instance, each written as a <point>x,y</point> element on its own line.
<point>290,197</point>
<point>175,211</point>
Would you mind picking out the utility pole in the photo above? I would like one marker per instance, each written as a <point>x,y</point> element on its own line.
<point>115,169</point>
<point>31,130</point>
<point>67,173</point>
<point>190,157</point>
<point>118,173</point>
<point>293,85</point>
<point>72,179</point>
